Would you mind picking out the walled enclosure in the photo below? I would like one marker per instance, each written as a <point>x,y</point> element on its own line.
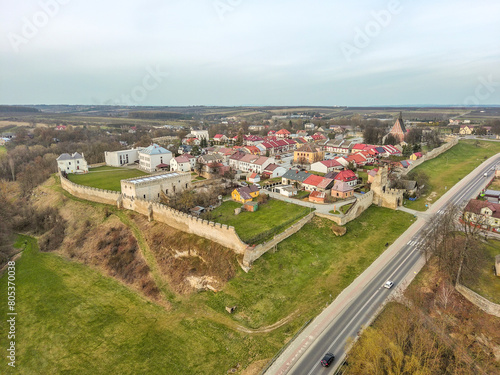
<point>219,233</point>
<point>478,300</point>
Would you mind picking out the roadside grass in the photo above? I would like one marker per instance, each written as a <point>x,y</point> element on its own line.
<point>488,284</point>
<point>3,150</point>
<point>309,269</point>
<point>107,178</point>
<point>248,225</point>
<point>450,167</point>
<point>73,320</point>
<point>495,185</point>
<point>342,209</point>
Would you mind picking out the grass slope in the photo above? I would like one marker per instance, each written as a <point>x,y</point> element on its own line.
<point>3,150</point>
<point>450,167</point>
<point>76,321</point>
<point>488,284</point>
<point>72,320</point>
<point>107,178</point>
<point>309,268</point>
<point>250,224</point>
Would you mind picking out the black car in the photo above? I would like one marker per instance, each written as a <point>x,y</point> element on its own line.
<point>327,360</point>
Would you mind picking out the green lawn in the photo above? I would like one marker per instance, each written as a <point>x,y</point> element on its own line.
<point>343,209</point>
<point>488,284</point>
<point>309,269</point>
<point>256,227</point>
<point>450,167</point>
<point>107,178</point>
<point>73,320</point>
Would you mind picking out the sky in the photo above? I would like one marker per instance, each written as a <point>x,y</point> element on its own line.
<point>242,52</point>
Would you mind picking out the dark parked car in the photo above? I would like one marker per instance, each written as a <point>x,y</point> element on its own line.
<point>327,360</point>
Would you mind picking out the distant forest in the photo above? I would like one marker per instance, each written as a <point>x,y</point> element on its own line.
<point>17,108</point>
<point>155,115</point>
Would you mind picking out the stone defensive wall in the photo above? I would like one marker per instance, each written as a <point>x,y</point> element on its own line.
<point>219,233</point>
<point>432,154</point>
<point>252,254</point>
<point>481,302</point>
<point>90,193</point>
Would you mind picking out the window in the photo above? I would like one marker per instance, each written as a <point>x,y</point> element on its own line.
<point>144,196</point>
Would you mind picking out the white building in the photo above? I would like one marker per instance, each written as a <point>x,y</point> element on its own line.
<point>75,163</point>
<point>325,166</point>
<point>150,187</point>
<point>151,157</point>
<point>183,163</point>
<point>200,134</point>
<point>122,157</point>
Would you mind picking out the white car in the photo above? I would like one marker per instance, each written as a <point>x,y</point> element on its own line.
<point>388,284</point>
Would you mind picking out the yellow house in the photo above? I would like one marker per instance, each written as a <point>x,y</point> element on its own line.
<point>245,194</point>
<point>308,154</point>
<point>466,130</point>
<point>415,156</point>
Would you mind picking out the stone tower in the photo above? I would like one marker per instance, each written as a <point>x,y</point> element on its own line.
<point>383,196</point>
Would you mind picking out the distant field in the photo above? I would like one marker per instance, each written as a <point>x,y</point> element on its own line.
<point>488,284</point>
<point>450,167</point>
<point>107,178</point>
<point>248,225</point>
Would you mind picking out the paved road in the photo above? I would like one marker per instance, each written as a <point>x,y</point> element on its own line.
<point>359,304</point>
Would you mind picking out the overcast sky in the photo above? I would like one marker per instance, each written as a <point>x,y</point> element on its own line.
<point>250,52</point>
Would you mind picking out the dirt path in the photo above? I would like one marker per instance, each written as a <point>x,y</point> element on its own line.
<point>270,328</point>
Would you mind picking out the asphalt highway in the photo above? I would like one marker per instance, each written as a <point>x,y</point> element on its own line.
<point>366,305</point>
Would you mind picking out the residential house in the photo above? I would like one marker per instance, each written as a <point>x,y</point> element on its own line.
<point>342,190</point>
<point>183,163</point>
<point>122,157</point>
<point>75,163</point>
<point>245,194</point>
<point>308,154</point>
<point>326,166</point>
<point>199,134</point>
<point>415,156</point>
<point>286,190</point>
<point>254,163</point>
<point>347,176</point>
<point>251,150</point>
<point>483,213</point>
<point>234,159</point>
<point>153,156</point>
<point>403,164</point>
<point>392,150</point>
<point>274,171</point>
<point>283,133</point>
<point>256,128</point>
<point>309,126</point>
<point>61,127</point>
<point>311,183</point>
<point>220,139</point>
<point>294,177</point>
<point>253,178</point>
<point>317,197</point>
<point>184,149</point>
<point>357,159</point>
<point>210,158</point>
<point>492,196</point>
<point>466,130</point>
